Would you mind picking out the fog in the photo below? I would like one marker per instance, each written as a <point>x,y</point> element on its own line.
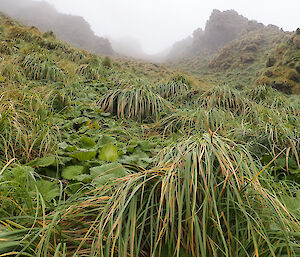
<point>157,24</point>
<point>149,27</point>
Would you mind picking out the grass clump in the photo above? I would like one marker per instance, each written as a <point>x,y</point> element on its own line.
<point>224,97</point>
<point>137,102</point>
<point>25,124</point>
<point>204,197</point>
<point>41,68</point>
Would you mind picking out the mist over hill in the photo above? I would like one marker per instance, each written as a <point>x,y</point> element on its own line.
<point>132,48</point>
<point>221,28</point>
<point>70,28</point>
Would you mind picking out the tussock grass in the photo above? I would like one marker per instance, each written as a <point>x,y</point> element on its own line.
<point>203,199</point>
<point>39,68</point>
<point>25,124</point>
<point>224,97</point>
<point>137,102</point>
<point>190,121</point>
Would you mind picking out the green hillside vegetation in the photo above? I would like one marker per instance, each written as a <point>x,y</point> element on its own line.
<point>250,49</point>
<point>243,53</point>
<point>107,157</point>
<point>70,28</point>
<point>264,57</point>
<point>153,71</point>
<point>282,68</point>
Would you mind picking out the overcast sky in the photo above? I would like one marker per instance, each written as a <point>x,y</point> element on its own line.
<point>156,24</point>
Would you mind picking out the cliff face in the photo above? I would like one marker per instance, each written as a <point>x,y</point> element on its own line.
<point>72,29</point>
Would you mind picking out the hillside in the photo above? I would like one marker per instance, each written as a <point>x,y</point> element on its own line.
<point>221,28</point>
<point>252,54</point>
<point>118,157</point>
<point>282,65</point>
<point>72,29</point>
<point>250,49</point>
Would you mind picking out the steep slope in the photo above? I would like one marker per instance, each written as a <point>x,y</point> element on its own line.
<point>243,54</point>
<point>282,66</point>
<point>247,50</point>
<point>220,29</point>
<point>72,29</point>
<point>263,57</point>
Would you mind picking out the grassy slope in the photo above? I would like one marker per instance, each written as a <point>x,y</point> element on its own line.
<point>243,62</point>
<point>107,159</point>
<point>282,68</point>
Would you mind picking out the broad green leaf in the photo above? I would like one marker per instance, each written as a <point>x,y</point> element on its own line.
<point>139,158</point>
<point>45,161</point>
<point>73,187</point>
<point>63,159</point>
<point>48,189</point>
<point>107,139</point>
<point>80,120</point>
<point>52,173</point>
<point>109,153</point>
<point>85,178</point>
<point>84,155</point>
<point>105,114</point>
<point>86,142</point>
<point>71,148</point>
<point>72,172</point>
<point>102,174</point>
<point>63,145</point>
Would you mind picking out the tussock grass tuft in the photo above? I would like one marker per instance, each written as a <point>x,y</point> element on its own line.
<point>190,121</point>
<point>40,68</point>
<point>224,97</point>
<point>25,124</point>
<point>137,102</point>
<point>205,198</point>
